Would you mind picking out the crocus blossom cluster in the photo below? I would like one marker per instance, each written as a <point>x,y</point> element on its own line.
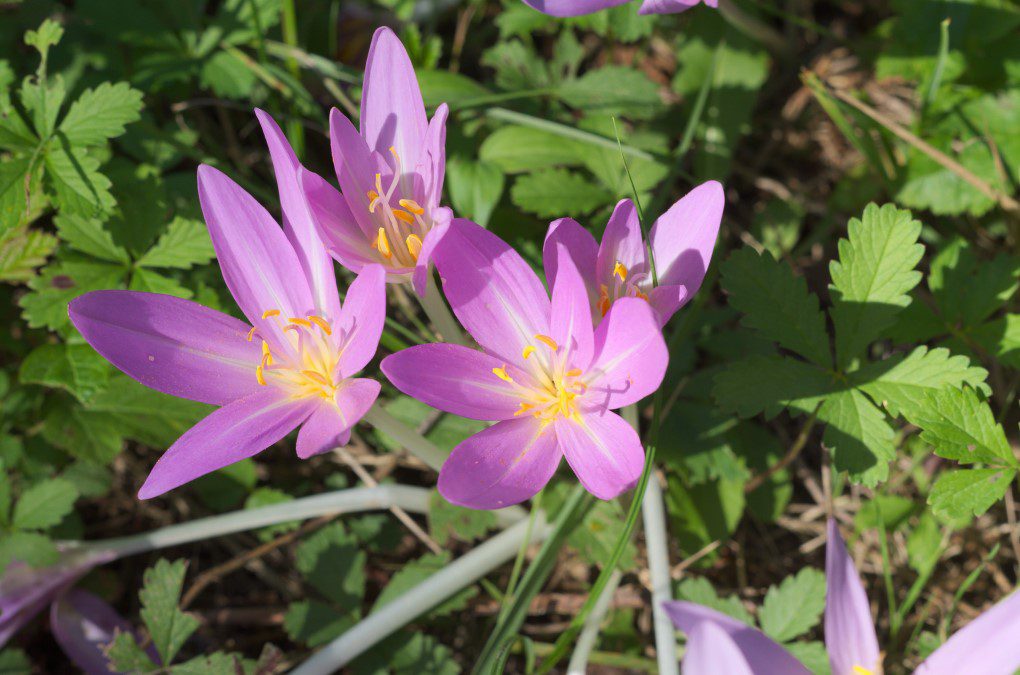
<point>580,7</point>
<point>721,645</point>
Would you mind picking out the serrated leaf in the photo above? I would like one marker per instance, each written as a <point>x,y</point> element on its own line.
<point>77,369</point>
<point>858,436</point>
<point>873,276</point>
<point>813,655</point>
<point>767,384</point>
<point>126,656</point>
<point>43,102</point>
<point>44,504</point>
<point>1001,339</point>
<point>448,521</point>
<point>794,606</point>
<point>33,549</point>
<point>960,426</point>
<point>517,149</point>
<point>89,236</point>
<point>332,562</point>
<point>22,252</point>
<point>185,243</point>
<point>101,113</point>
<point>557,192</point>
<point>144,414</point>
<point>77,184</point>
<point>14,189</point>
<point>613,90</point>
<point>92,437</point>
<point>168,626</point>
<point>418,571</point>
<point>46,305</point>
<point>900,383</point>
<point>968,492</point>
<point>968,290</point>
<point>776,303</point>
<point>150,281</point>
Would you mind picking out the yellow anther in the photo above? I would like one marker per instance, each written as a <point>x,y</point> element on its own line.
<point>525,407</point>
<point>604,304</point>
<point>412,206</point>
<point>258,376</point>
<point>502,374</point>
<point>393,151</point>
<point>545,339</point>
<point>861,670</point>
<point>270,312</point>
<point>321,323</point>
<point>318,377</point>
<point>573,372</point>
<point>413,243</point>
<point>265,349</point>
<point>251,334</point>
<point>528,351</point>
<point>620,270</point>
<point>382,244</point>
<point>404,216</point>
<point>298,321</point>
<point>373,195</point>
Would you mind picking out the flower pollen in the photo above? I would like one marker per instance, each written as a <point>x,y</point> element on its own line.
<point>407,223</point>
<point>308,368</point>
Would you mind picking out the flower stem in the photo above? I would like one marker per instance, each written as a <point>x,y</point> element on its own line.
<point>437,311</point>
<point>658,568</point>
<point>413,442</point>
<point>423,597</point>
<point>589,636</point>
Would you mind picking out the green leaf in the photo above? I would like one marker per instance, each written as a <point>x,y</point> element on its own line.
<point>475,188</point>
<point>960,426</point>
<point>872,277</point>
<point>699,590</point>
<point>89,236</point>
<point>22,252</point>
<point>225,488</point>
<point>185,243</point>
<point>924,545</point>
<point>77,369</point>
<point>101,113</point>
<point>126,656</point>
<point>88,436</point>
<point>316,623</point>
<point>557,192</point>
<point>794,606</point>
<point>168,625</point>
<point>14,662</point>
<point>406,653</point>
<point>858,436</point>
<point>517,149</point>
<point>31,548</point>
<point>48,34</point>
<point>900,383</point>
<point>414,572</point>
<point>333,564</point>
<point>78,185</point>
<point>776,303</point>
<point>968,492</point>
<point>705,512</point>
<point>46,305</point>
<point>596,536</point>
<point>265,496</point>
<point>15,182</point>
<point>144,414</point>
<point>813,655</point>
<point>448,521</point>
<point>1001,338</point>
<point>767,384</point>
<point>968,290</point>
<point>149,281</point>
<point>44,504</point>
<point>43,101</point>
<point>613,90</point>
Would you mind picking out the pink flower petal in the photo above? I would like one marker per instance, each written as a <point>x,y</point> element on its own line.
<point>237,431</point>
<point>711,651</point>
<point>84,625</point>
<point>432,161</point>
<point>355,169</point>
<point>500,466</point>
<point>455,379</point>
<point>570,321</point>
<point>495,294</point>
<point>630,356</point>
<point>683,238</point>
<point>666,6</point>
<point>582,248</point>
<point>324,430</point>
<point>298,220</point>
<point>571,7</point>
<point>987,645</point>
<point>622,243</point>
<point>392,110</point>
<point>171,345</point>
<point>849,629</point>
<point>361,320</point>
<point>666,300</point>
<point>339,231</point>
<point>603,450</point>
<point>422,270</point>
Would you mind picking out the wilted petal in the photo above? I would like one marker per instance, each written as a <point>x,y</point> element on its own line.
<point>336,225</point>
<point>361,320</point>
<point>622,243</point>
<point>711,651</point>
<point>570,322</point>
<point>237,431</point>
<point>684,237</point>
<point>455,379</point>
<point>849,629</point>
<point>84,625</point>
<point>987,645</point>
<point>169,344</point>
<point>500,466</point>
<point>392,110</point>
<point>666,6</point>
<point>495,294</point>
<point>603,450</point>
<point>298,220</point>
<point>765,656</point>
<point>630,356</point>
<point>571,7</point>
<point>581,246</point>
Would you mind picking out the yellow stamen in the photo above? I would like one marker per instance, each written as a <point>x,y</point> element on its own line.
<point>412,206</point>
<point>413,243</point>
<point>620,270</point>
<point>382,244</point>
<point>373,195</point>
<point>548,341</point>
<point>525,407</point>
<point>258,376</point>
<point>502,374</point>
<point>404,216</point>
<point>573,372</point>
<point>321,323</point>
<point>528,351</point>
<point>861,670</point>
<point>297,321</point>
<point>270,312</point>
<point>318,377</point>
<point>251,334</point>
<point>265,349</point>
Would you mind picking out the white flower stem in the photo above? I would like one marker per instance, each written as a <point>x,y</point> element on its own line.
<point>437,311</point>
<point>593,624</point>
<point>451,579</point>
<point>413,442</point>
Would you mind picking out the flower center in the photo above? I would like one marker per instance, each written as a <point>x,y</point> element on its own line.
<point>558,388</point>
<point>309,370</point>
<point>401,231</point>
<point>623,284</point>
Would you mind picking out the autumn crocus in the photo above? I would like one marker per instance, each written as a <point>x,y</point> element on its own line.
<point>84,626</point>
<point>681,243</point>
<point>292,364</point>
<point>390,173</point>
<point>987,645</point>
<point>579,7</point>
<point>544,373</point>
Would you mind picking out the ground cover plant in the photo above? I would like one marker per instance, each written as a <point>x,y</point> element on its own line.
<point>514,336</point>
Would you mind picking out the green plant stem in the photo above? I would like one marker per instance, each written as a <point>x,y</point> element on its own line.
<point>627,662</point>
<point>515,573</point>
<point>578,664</point>
<point>288,16</point>
<point>437,311</point>
<point>413,442</point>
<point>754,28</point>
<point>566,132</point>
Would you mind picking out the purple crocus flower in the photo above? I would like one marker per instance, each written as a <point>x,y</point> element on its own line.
<point>681,242</point>
<point>84,626</point>
<point>544,373</point>
<point>293,366</point>
<point>390,173</point>
<point>579,7</point>
<point>987,645</point>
